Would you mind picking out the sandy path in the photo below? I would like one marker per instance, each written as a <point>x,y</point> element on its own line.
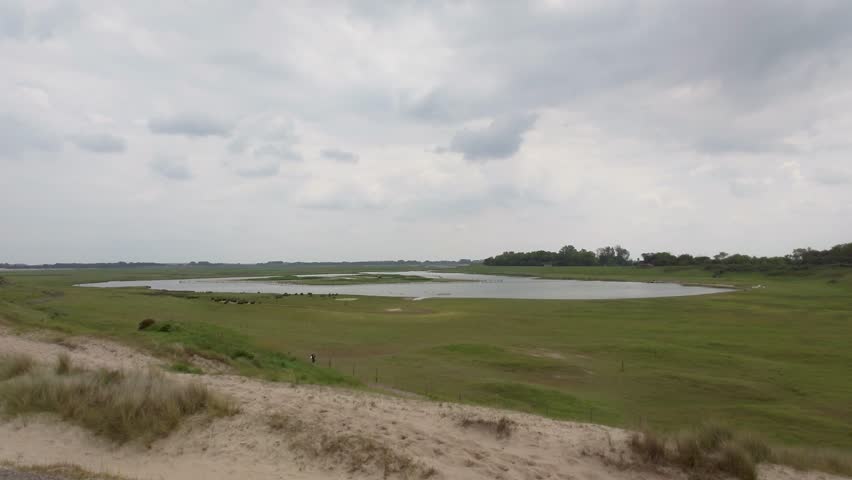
<point>245,446</point>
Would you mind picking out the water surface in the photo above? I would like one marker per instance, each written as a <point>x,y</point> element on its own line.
<point>465,285</point>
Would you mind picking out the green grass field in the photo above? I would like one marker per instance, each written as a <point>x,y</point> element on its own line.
<point>775,360</point>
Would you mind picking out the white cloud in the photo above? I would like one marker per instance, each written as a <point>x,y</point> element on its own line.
<point>676,125</point>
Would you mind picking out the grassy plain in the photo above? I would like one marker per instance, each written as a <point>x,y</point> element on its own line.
<point>774,360</point>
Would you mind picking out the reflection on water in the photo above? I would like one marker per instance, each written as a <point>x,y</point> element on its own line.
<point>466,286</point>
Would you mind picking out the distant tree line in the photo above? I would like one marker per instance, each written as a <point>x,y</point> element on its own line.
<point>566,256</point>
<point>277,263</point>
<point>617,255</point>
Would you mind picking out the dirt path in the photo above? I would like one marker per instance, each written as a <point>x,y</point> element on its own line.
<point>250,446</point>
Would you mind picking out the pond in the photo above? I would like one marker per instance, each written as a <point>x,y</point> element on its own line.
<point>453,285</point>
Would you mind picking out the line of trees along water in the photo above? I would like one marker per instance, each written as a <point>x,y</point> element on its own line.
<point>617,255</point>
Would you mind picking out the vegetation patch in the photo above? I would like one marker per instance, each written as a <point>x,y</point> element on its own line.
<point>713,449</point>
<point>355,453</point>
<point>63,471</point>
<point>502,428</point>
<point>181,367</point>
<point>146,324</point>
<point>121,406</point>
<point>15,365</point>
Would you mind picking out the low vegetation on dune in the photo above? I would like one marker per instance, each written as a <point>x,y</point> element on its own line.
<point>356,453</point>
<point>61,471</point>
<point>14,365</point>
<point>121,406</point>
<point>502,428</point>
<point>713,449</point>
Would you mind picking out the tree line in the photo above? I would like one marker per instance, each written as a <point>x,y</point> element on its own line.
<point>617,255</point>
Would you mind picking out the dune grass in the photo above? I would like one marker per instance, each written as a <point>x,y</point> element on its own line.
<point>15,365</point>
<point>714,448</point>
<point>355,453</point>
<point>122,406</point>
<point>62,471</point>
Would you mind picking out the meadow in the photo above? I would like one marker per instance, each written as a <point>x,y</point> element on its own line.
<point>774,360</point>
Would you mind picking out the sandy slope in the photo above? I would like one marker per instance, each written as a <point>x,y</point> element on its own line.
<point>246,447</point>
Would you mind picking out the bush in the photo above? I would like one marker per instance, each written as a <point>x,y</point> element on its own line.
<point>242,354</point>
<point>148,322</point>
<point>117,405</point>
<point>166,328</point>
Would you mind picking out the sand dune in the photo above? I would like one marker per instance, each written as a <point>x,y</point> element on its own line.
<point>313,432</point>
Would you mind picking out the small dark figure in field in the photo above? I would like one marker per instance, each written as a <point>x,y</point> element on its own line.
<point>313,359</point>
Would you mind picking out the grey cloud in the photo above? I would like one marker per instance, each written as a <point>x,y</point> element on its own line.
<point>100,143</point>
<point>832,177</point>
<point>23,20</point>
<point>748,142</point>
<point>19,136</point>
<point>172,168</point>
<point>248,62</point>
<point>280,152</point>
<point>238,145</point>
<point>748,187</point>
<point>189,124</point>
<point>501,139</point>
<point>339,155</point>
<point>259,171</point>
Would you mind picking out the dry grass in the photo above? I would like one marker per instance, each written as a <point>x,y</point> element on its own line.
<point>502,427</point>
<point>121,406</point>
<point>63,364</point>
<point>703,452</point>
<point>714,449</point>
<point>64,471</point>
<point>356,453</point>
<point>15,365</point>
<point>823,460</point>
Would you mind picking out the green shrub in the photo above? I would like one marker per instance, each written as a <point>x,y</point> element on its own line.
<point>145,324</point>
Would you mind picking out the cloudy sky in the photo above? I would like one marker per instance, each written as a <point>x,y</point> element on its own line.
<point>267,130</point>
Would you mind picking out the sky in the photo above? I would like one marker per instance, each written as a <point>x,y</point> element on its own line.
<point>320,131</point>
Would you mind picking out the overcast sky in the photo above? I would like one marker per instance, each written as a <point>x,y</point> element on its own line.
<point>286,130</point>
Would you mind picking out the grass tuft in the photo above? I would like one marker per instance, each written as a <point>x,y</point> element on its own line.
<point>650,446</point>
<point>357,453</point>
<point>181,367</point>
<point>63,364</point>
<point>823,460</point>
<point>12,366</point>
<point>65,471</point>
<point>713,449</point>
<point>736,461</point>
<point>118,405</point>
<point>502,427</point>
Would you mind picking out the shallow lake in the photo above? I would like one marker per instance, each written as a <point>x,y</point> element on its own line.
<point>458,285</point>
